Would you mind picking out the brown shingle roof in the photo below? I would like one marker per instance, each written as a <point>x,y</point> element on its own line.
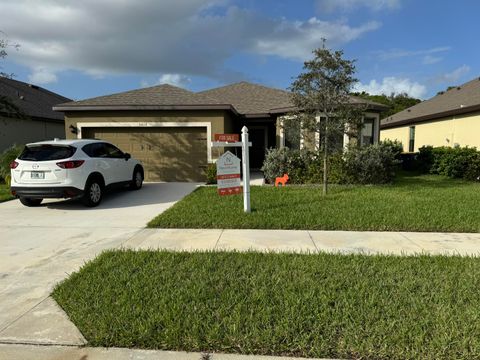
<point>32,100</point>
<point>156,96</point>
<point>459,100</point>
<point>250,99</point>
<point>242,98</point>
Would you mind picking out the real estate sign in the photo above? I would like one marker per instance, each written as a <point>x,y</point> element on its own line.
<point>228,174</point>
<point>227,137</point>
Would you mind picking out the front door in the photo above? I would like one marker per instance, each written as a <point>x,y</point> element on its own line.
<point>258,136</point>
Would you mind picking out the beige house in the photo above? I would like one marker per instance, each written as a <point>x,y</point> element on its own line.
<point>451,118</point>
<point>26,114</point>
<point>171,129</point>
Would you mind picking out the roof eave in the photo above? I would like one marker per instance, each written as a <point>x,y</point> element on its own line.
<point>459,111</point>
<point>66,107</point>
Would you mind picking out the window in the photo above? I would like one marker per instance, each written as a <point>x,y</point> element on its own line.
<point>411,141</point>
<point>103,150</point>
<point>367,133</point>
<point>46,152</point>
<point>292,135</point>
<point>113,152</point>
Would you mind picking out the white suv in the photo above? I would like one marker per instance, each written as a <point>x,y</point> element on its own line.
<point>72,169</point>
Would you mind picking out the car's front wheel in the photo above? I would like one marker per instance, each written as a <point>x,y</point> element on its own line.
<point>137,179</point>
<point>30,202</point>
<point>93,193</point>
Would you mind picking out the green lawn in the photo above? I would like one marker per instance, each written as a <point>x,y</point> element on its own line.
<point>413,203</point>
<point>5,193</point>
<point>323,305</point>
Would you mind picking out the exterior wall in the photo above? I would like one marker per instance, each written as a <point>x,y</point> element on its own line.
<point>23,131</point>
<point>399,134</point>
<point>463,130</point>
<point>311,140</point>
<point>219,120</point>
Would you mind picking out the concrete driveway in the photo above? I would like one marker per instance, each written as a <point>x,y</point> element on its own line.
<point>41,246</point>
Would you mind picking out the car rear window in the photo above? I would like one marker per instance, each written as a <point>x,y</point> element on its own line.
<point>46,152</point>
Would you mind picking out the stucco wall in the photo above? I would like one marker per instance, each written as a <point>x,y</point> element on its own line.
<point>463,130</point>
<point>220,120</point>
<point>22,131</point>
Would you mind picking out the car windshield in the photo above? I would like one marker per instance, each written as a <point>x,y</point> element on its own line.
<point>46,152</point>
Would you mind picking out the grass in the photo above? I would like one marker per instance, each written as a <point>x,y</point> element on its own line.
<point>322,305</point>
<point>413,203</point>
<point>5,193</point>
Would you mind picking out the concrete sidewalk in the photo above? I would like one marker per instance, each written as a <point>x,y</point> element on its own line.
<point>366,242</point>
<point>75,353</point>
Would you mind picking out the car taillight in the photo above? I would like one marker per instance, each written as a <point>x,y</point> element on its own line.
<point>13,165</point>
<point>71,164</point>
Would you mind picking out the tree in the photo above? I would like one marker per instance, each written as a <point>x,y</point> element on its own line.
<point>395,102</point>
<point>5,44</point>
<point>323,104</point>
<point>6,105</point>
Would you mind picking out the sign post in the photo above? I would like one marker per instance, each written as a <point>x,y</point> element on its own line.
<point>228,176</point>
<point>246,170</point>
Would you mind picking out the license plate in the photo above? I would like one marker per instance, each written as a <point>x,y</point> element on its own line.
<point>37,175</point>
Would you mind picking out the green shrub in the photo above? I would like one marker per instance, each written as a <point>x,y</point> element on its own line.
<point>211,173</point>
<point>359,165</point>
<point>6,157</point>
<point>292,162</point>
<point>373,164</point>
<point>459,162</point>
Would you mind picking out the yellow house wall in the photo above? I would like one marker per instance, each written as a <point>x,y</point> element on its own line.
<point>463,130</point>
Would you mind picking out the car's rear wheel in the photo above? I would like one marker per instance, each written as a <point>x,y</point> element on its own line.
<point>30,202</point>
<point>93,193</point>
<point>137,179</point>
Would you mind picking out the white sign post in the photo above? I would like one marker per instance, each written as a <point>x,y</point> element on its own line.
<point>246,170</point>
<point>227,182</point>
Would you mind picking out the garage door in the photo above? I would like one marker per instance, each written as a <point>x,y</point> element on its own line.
<point>167,153</point>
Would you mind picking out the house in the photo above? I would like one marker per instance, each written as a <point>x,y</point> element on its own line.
<point>451,118</point>
<point>26,113</point>
<point>170,129</point>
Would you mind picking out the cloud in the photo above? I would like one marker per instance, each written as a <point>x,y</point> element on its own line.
<point>296,40</point>
<point>429,59</point>
<point>41,76</point>
<point>349,5</point>
<point>453,76</point>
<point>401,53</point>
<point>172,79</point>
<point>190,37</point>
<point>391,85</point>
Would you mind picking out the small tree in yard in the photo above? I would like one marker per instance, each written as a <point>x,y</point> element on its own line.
<point>322,91</point>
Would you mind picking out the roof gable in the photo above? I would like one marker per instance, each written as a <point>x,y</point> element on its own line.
<point>250,98</point>
<point>32,100</point>
<point>460,99</point>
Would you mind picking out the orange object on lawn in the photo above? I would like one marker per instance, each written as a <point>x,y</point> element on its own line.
<point>281,180</point>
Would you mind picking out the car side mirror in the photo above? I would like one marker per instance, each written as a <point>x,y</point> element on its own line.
<point>127,156</point>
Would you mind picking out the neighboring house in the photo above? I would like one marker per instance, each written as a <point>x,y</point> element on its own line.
<point>451,118</point>
<point>171,129</point>
<point>26,113</point>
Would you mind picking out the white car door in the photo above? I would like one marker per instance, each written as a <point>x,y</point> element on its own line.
<point>120,165</point>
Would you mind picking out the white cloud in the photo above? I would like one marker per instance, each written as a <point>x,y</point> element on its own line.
<point>296,40</point>
<point>172,79</point>
<point>349,5</point>
<point>190,37</point>
<point>400,53</point>
<point>453,76</point>
<point>395,85</point>
<point>41,76</point>
<point>429,59</point>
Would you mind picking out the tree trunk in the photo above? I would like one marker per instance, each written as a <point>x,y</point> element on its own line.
<point>325,156</point>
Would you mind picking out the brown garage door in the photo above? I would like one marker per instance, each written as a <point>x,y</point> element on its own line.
<point>167,153</point>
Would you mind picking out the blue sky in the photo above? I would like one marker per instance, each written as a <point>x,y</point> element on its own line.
<point>96,47</point>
